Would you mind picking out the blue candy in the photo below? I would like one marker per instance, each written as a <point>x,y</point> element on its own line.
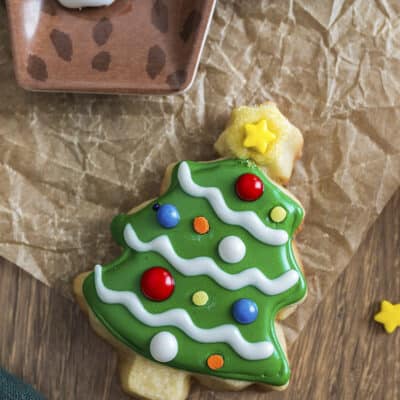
<point>245,311</point>
<point>168,216</point>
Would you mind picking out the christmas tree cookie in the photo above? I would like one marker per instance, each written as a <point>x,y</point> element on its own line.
<point>207,269</point>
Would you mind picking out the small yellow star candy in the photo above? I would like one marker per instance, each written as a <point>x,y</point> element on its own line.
<point>389,316</point>
<point>258,136</point>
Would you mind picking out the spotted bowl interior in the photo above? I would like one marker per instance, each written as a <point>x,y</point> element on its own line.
<point>133,46</point>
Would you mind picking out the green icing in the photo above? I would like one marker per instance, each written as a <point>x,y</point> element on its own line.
<point>124,274</point>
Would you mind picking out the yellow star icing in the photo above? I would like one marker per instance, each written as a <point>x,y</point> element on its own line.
<point>389,316</point>
<point>258,136</point>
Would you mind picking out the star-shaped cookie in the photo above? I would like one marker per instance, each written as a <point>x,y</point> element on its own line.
<point>262,133</point>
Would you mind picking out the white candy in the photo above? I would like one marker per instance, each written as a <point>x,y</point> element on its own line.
<point>85,3</point>
<point>232,249</point>
<point>164,347</point>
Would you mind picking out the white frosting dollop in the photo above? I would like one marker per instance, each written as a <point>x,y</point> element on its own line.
<point>164,347</point>
<point>85,3</point>
<point>232,249</point>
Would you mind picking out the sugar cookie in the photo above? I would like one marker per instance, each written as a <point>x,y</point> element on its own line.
<point>206,268</point>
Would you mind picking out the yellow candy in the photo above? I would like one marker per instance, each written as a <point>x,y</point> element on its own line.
<point>258,136</point>
<point>278,214</point>
<point>389,316</point>
<point>200,298</point>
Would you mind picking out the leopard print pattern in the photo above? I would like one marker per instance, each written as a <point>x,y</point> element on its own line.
<point>152,42</point>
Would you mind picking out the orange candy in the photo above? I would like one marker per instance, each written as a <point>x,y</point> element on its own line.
<point>215,361</point>
<point>201,225</point>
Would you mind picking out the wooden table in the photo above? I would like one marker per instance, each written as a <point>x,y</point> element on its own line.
<point>342,353</point>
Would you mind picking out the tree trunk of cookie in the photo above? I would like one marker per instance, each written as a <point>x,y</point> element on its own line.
<point>149,380</point>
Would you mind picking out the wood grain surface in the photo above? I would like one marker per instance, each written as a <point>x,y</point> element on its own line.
<point>341,354</point>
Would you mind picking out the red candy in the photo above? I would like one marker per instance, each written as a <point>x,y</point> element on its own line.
<point>157,284</point>
<point>249,187</point>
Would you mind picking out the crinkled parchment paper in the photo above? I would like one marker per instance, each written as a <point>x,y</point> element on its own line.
<point>68,163</point>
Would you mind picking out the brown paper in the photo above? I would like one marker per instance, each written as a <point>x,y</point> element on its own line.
<point>68,163</point>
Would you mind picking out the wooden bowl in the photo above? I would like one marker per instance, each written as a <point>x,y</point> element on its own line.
<point>133,46</point>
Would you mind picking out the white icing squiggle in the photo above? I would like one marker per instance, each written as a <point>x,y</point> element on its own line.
<point>248,220</point>
<point>85,3</point>
<point>207,266</point>
<point>179,318</point>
